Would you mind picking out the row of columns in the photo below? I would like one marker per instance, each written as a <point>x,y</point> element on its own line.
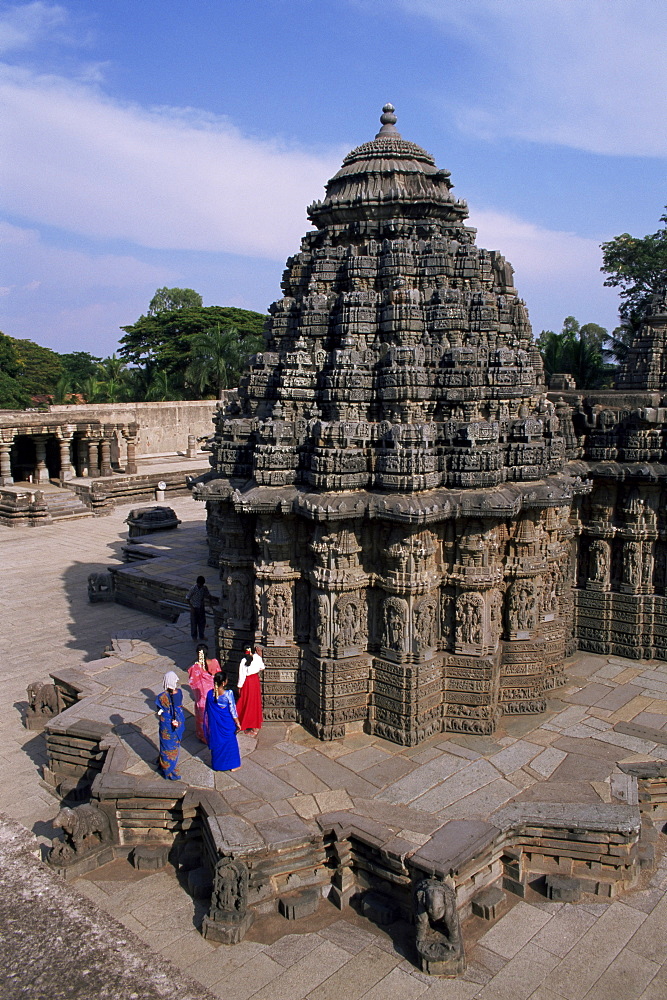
<point>95,461</point>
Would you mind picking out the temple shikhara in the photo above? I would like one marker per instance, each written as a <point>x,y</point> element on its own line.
<point>390,503</point>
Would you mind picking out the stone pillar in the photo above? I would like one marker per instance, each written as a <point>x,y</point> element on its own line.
<point>64,442</point>
<point>192,446</point>
<point>93,458</point>
<point>131,464</point>
<point>5,463</point>
<point>105,465</point>
<point>130,435</point>
<point>41,471</point>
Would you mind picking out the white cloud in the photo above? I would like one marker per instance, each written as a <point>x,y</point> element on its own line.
<point>546,261</point>
<point>536,252</point>
<point>164,178</point>
<point>37,264</point>
<point>23,25</point>
<point>589,74</point>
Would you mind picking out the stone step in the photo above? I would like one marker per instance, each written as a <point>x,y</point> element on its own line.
<point>65,505</point>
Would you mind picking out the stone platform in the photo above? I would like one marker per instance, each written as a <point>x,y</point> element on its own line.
<point>540,949</point>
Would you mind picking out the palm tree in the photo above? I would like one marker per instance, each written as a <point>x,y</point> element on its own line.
<point>113,385</point>
<point>619,341</point>
<point>215,356</point>
<point>161,389</point>
<point>90,388</point>
<point>63,391</point>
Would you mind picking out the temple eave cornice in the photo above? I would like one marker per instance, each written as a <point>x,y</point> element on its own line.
<point>427,507</point>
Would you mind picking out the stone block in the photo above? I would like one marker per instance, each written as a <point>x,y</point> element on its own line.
<point>487,903</point>
<point>302,903</point>
<point>563,888</point>
<point>146,858</point>
<point>227,931</point>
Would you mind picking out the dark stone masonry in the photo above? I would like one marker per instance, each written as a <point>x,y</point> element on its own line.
<point>390,504</point>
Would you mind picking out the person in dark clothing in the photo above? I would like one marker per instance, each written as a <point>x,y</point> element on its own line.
<point>196,598</point>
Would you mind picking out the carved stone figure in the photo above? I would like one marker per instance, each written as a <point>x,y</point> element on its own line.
<point>425,623</point>
<point>394,624</point>
<point>85,827</point>
<point>278,611</point>
<point>348,626</point>
<point>438,931</point>
<point>228,918</point>
<point>599,560</point>
<point>43,704</point>
<point>632,564</point>
<point>469,620</point>
<point>522,606</point>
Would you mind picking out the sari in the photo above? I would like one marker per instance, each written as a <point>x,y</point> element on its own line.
<point>201,682</point>
<point>220,731</point>
<point>250,693</point>
<point>169,706</point>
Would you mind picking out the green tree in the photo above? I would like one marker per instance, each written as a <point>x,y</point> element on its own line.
<point>90,390</point>
<point>161,389</point>
<point>638,267</point>
<point>63,391</point>
<point>78,366</point>
<point>39,368</point>
<point>618,343</point>
<point>217,357</point>
<point>171,299</point>
<point>163,342</point>
<point>12,394</point>
<point>113,384</point>
<point>576,350</point>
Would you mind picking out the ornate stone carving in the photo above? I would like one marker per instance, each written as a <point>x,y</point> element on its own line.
<point>85,829</point>
<point>228,918</point>
<point>390,467</point>
<point>43,704</point>
<point>395,615</point>
<point>469,620</point>
<point>438,937</point>
<point>425,616</point>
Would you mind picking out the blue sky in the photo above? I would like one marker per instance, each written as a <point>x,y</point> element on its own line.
<point>178,142</point>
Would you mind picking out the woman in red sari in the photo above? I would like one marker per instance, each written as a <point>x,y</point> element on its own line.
<point>249,704</point>
<point>201,675</point>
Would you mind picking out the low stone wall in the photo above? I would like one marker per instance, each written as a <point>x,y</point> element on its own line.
<point>163,427</point>
<point>24,507</point>
<point>102,495</point>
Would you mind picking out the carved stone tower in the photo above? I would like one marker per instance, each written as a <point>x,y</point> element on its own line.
<point>388,506</point>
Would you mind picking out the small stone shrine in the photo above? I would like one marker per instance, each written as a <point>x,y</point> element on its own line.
<point>388,504</point>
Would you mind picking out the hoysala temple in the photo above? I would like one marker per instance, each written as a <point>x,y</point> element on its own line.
<point>395,504</point>
<point>421,533</point>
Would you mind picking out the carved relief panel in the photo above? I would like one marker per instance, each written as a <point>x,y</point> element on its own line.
<point>522,609</point>
<point>394,627</point>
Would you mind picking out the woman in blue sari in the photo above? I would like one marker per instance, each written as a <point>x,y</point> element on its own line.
<point>221,724</point>
<point>169,707</point>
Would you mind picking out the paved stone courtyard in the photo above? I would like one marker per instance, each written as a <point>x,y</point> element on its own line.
<point>539,949</point>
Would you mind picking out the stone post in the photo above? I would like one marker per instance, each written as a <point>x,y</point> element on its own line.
<point>41,471</point>
<point>192,446</point>
<point>64,442</point>
<point>93,458</point>
<point>5,463</point>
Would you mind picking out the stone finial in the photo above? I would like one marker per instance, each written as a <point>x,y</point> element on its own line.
<point>388,120</point>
